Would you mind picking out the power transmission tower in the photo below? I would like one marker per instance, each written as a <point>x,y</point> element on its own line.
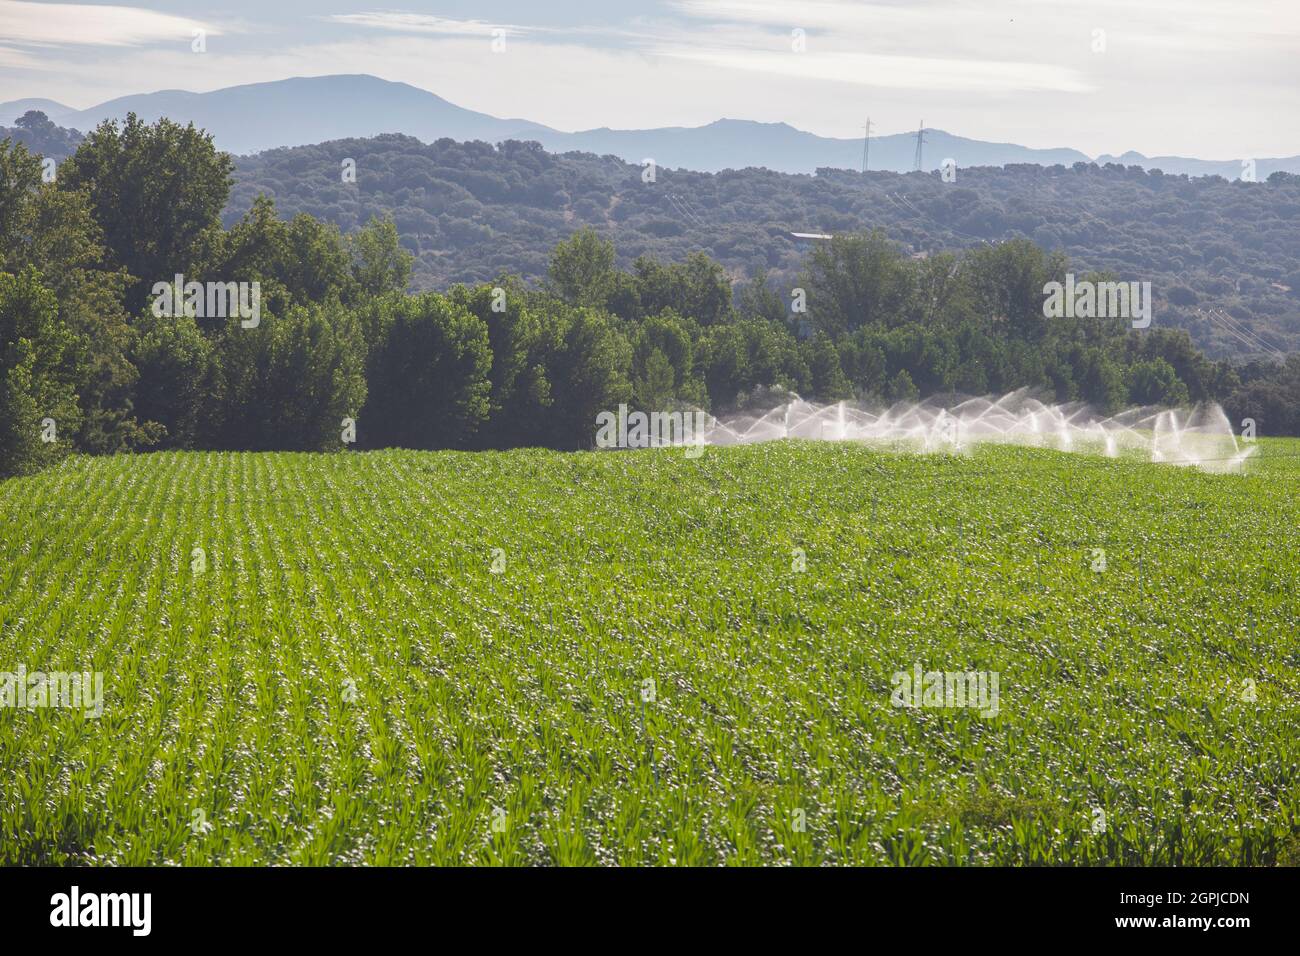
<point>920,141</point>
<point>866,145</point>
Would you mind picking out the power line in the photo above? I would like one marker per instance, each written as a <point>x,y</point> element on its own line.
<point>1230,322</point>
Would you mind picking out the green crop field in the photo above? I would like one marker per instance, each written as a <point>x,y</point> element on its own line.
<point>619,658</point>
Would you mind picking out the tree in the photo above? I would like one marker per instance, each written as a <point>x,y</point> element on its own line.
<point>1270,396</point>
<point>852,281</point>
<point>697,288</point>
<point>1155,383</point>
<point>739,357</point>
<point>288,383</point>
<point>39,413</point>
<point>863,363</point>
<point>654,388</point>
<point>35,131</point>
<point>379,263</point>
<point>589,374</point>
<point>664,341</point>
<point>428,376</point>
<point>759,301</point>
<point>477,212</point>
<point>901,389</point>
<point>1101,381</point>
<point>295,263</point>
<point>20,178</point>
<point>829,382</point>
<point>176,370</point>
<point>157,192</point>
<point>1007,285</point>
<point>582,269</point>
<point>316,266</point>
<point>52,230</point>
<point>1191,366</point>
<point>523,334</point>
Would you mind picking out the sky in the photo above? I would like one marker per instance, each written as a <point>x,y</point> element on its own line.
<point>1213,79</point>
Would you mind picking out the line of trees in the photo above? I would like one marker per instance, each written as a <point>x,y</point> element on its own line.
<point>86,364</point>
<point>472,210</point>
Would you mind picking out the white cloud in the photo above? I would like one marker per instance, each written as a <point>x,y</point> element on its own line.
<point>81,24</point>
<point>1156,89</point>
<point>896,72</point>
<point>422,23</point>
<point>829,14</point>
<point>999,27</point>
<point>17,59</point>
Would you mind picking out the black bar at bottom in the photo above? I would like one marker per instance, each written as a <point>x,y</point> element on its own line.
<point>301,906</point>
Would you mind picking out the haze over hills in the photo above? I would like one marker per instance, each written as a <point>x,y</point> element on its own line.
<point>305,110</point>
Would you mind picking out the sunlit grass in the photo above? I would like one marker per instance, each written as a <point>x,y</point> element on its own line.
<point>349,682</point>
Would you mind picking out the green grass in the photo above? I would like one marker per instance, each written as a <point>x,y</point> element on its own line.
<point>516,697</point>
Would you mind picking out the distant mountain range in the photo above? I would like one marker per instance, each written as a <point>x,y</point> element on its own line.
<point>305,110</point>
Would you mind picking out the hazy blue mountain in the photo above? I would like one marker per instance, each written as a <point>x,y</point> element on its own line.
<point>735,144</point>
<point>306,110</point>
<point>1227,168</point>
<point>56,112</point>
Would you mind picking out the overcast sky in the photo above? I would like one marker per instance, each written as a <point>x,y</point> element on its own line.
<point>1216,79</point>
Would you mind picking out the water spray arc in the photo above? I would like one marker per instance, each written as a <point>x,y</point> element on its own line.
<point>1199,437</point>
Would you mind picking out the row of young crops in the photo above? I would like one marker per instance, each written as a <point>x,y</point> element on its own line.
<point>534,657</point>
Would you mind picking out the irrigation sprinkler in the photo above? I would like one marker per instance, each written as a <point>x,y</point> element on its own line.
<point>1200,437</point>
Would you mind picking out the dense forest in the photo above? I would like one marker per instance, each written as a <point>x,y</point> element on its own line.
<point>1223,257</point>
<point>343,349</point>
